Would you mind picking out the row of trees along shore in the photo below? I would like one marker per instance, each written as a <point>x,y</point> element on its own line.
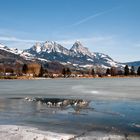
<point>126,72</point>
<point>37,70</point>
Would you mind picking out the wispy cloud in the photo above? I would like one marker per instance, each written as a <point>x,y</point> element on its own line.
<point>86,19</point>
<point>14,39</point>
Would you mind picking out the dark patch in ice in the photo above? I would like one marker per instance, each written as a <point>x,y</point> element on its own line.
<point>76,104</point>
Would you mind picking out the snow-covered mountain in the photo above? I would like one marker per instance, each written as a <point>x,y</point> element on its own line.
<point>16,52</point>
<point>14,55</point>
<point>77,55</point>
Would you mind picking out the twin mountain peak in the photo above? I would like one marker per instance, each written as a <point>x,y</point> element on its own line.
<point>55,47</point>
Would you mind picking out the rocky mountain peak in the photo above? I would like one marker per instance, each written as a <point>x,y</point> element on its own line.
<point>77,45</point>
<point>48,47</point>
<point>80,49</point>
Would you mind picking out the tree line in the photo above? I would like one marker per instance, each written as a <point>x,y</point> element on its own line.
<point>131,71</point>
<point>38,70</point>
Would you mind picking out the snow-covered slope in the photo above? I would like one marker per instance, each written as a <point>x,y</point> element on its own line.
<point>15,52</point>
<point>12,50</point>
<point>105,60</point>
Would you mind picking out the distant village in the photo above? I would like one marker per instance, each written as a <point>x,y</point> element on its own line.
<point>33,70</point>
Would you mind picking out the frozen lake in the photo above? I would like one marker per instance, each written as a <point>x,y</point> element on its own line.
<point>114,105</point>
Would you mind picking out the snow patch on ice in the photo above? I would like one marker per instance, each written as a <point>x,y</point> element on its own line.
<point>13,132</point>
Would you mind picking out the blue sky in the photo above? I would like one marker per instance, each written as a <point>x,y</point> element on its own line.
<point>108,26</point>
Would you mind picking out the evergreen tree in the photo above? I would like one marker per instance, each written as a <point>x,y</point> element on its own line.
<point>68,72</point>
<point>108,71</point>
<point>92,72</point>
<point>41,71</point>
<point>138,71</point>
<point>126,70</point>
<point>132,70</point>
<point>64,72</point>
<point>24,68</point>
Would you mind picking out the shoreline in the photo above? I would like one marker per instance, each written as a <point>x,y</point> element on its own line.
<point>43,78</point>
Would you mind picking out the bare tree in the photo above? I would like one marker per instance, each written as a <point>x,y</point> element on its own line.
<point>34,68</point>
